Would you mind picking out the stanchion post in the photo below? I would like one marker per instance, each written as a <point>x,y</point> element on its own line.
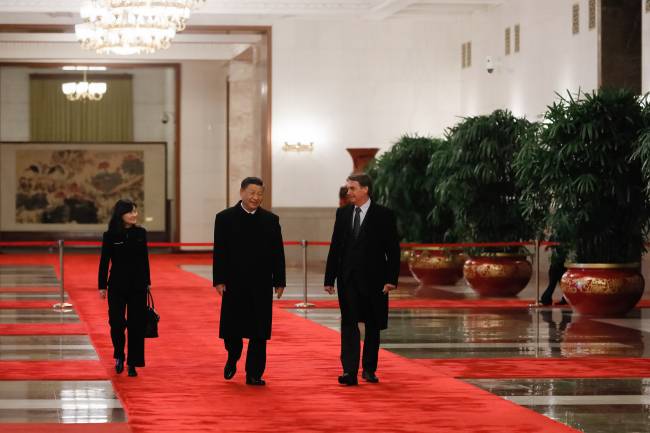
<point>305,302</point>
<point>537,260</point>
<point>61,306</point>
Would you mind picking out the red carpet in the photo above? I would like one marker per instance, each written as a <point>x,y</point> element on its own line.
<point>27,304</point>
<point>540,368</point>
<point>66,428</point>
<point>182,388</point>
<point>52,370</point>
<point>43,329</point>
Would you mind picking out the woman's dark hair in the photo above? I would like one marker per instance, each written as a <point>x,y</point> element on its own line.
<point>116,225</point>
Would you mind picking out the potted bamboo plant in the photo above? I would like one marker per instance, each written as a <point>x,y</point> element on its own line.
<point>401,183</point>
<point>478,182</point>
<point>583,169</point>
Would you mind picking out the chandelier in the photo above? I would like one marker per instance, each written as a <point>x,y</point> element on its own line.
<point>132,26</point>
<point>83,90</point>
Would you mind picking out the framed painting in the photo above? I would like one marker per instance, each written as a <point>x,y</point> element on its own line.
<point>63,187</point>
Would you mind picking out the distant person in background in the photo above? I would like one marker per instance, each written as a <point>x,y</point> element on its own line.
<point>343,196</point>
<point>247,266</point>
<point>555,272</point>
<point>124,246</point>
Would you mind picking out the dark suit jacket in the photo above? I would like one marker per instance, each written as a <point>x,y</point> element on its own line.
<point>128,255</point>
<point>379,244</point>
<point>248,258</point>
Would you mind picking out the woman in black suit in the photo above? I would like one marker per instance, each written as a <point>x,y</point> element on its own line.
<point>125,246</point>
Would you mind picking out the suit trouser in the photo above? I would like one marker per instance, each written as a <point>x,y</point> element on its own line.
<point>120,304</point>
<point>350,335</point>
<point>350,342</point>
<point>255,358</point>
<point>555,272</point>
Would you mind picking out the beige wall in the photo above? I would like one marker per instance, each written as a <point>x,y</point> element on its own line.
<point>311,224</point>
<point>203,148</point>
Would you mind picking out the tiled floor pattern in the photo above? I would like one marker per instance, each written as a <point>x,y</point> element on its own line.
<point>38,401</point>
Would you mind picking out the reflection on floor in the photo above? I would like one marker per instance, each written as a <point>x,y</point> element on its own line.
<point>590,405</point>
<point>42,347</point>
<point>59,402</point>
<point>51,401</point>
<point>503,333</point>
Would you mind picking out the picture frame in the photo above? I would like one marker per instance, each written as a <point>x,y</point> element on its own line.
<point>72,187</point>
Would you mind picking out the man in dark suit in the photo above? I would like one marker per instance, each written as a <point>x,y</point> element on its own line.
<point>363,260</point>
<point>248,263</point>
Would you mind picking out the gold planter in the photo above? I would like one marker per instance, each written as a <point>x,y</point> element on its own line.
<point>436,266</point>
<point>498,275</point>
<point>602,289</point>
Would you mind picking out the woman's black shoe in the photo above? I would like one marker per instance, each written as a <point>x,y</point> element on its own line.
<point>119,365</point>
<point>132,371</point>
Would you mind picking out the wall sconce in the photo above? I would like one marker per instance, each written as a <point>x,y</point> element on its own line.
<point>298,147</point>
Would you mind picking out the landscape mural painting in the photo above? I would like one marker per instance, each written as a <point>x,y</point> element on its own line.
<point>76,186</point>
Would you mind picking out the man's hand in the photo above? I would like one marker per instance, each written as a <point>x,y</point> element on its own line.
<point>330,289</point>
<point>279,291</point>
<point>389,287</point>
<point>221,289</point>
<point>102,294</point>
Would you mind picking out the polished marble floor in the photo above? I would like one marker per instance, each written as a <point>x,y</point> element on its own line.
<point>48,401</point>
<point>503,333</point>
<point>27,275</point>
<point>589,405</point>
<point>46,347</point>
<point>59,402</point>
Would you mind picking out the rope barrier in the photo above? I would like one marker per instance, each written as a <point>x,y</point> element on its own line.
<point>286,243</point>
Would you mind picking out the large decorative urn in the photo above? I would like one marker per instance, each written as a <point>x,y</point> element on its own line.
<point>436,266</point>
<point>498,275</point>
<point>361,156</point>
<point>604,289</point>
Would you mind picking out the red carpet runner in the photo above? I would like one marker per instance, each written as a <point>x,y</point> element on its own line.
<point>182,388</point>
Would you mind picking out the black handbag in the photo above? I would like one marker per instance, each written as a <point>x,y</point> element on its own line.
<point>151,318</point>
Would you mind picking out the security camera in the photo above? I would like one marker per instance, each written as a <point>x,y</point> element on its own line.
<point>489,64</point>
<point>165,118</point>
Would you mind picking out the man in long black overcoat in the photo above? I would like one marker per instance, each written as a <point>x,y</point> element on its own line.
<point>363,260</point>
<point>248,264</point>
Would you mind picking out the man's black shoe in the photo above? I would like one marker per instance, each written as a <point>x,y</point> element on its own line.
<point>256,381</point>
<point>132,371</point>
<point>562,301</point>
<point>119,365</point>
<point>348,380</point>
<point>229,370</point>
<point>369,377</point>
<point>545,301</point>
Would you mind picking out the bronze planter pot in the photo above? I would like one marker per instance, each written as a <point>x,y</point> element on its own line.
<point>436,266</point>
<point>499,275</point>
<point>602,289</point>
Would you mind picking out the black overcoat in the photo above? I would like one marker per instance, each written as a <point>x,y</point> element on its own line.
<point>379,244</point>
<point>128,255</point>
<point>249,259</point>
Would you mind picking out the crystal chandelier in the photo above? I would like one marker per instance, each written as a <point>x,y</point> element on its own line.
<point>132,26</point>
<point>83,90</point>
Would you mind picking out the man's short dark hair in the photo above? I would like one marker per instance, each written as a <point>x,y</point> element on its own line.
<point>363,179</point>
<point>251,181</point>
<point>343,192</point>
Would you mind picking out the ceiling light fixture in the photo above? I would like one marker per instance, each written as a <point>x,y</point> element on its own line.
<point>132,26</point>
